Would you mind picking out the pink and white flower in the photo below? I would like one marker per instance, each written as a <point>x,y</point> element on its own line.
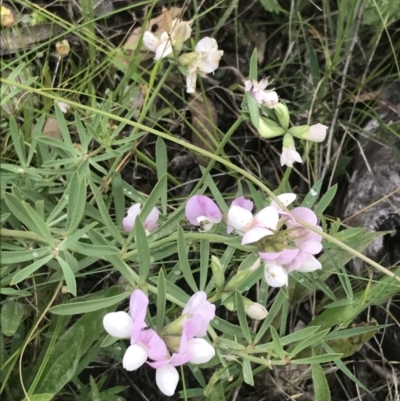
<point>123,325</point>
<point>257,90</point>
<point>149,224</point>
<point>243,203</point>
<point>202,211</point>
<point>252,228</point>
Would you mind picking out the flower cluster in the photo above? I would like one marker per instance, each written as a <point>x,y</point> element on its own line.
<point>286,244</point>
<point>269,128</point>
<point>204,60</point>
<point>178,343</point>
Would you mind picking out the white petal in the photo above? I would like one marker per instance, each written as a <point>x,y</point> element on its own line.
<point>167,378</point>
<point>210,63</point>
<point>205,224</point>
<point>135,356</point>
<point>267,218</point>
<point>311,264</point>
<point>118,324</point>
<point>191,82</point>
<point>255,234</point>
<point>240,219</point>
<point>164,50</point>
<point>201,351</point>
<point>151,41</point>
<point>206,44</point>
<point>275,275</point>
<point>286,199</point>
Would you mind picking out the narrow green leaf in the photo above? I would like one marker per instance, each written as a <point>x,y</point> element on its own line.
<point>184,262</point>
<point>254,109</point>
<point>161,297</point>
<point>204,262</point>
<point>321,388</point>
<point>18,209</point>
<point>326,200</point>
<point>68,275</point>
<point>248,376</point>
<point>154,197</point>
<point>12,313</point>
<point>14,293</point>
<point>162,164</point>
<point>274,310</point>
<point>109,224</point>
<point>316,359</point>
<point>278,347</point>
<point>41,397</point>
<point>299,335</point>
<point>119,197</point>
<point>143,249</point>
<point>312,195</point>
<point>253,74</point>
<point>241,313</point>
<point>76,308</point>
<point>63,127</point>
<point>312,340</point>
<point>23,256</point>
<point>76,201</point>
<point>18,142</point>
<point>29,270</point>
<point>313,63</point>
<point>72,239</point>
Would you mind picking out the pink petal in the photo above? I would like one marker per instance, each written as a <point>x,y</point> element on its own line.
<point>150,223</point>
<point>129,221</point>
<point>244,203</point>
<point>202,206</point>
<point>284,257</point>
<point>255,234</point>
<point>137,308</point>
<point>156,348</point>
<point>248,85</point>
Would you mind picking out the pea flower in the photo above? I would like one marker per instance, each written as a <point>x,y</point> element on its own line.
<point>257,90</point>
<point>123,325</point>
<point>169,42</point>
<point>289,153</point>
<point>252,228</point>
<point>304,244</point>
<point>204,60</point>
<point>202,211</point>
<point>149,224</point>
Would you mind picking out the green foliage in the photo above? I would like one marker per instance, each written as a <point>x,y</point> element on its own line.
<point>66,260</point>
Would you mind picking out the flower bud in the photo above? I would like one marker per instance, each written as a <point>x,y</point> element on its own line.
<point>299,131</point>
<point>255,265</point>
<point>174,328</point>
<point>267,130</point>
<point>6,17</point>
<point>200,350</point>
<point>282,112</point>
<point>236,280</point>
<point>218,274</point>
<point>254,310</point>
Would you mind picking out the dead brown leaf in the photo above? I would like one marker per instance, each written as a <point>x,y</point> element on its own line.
<point>52,128</point>
<point>205,122</point>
